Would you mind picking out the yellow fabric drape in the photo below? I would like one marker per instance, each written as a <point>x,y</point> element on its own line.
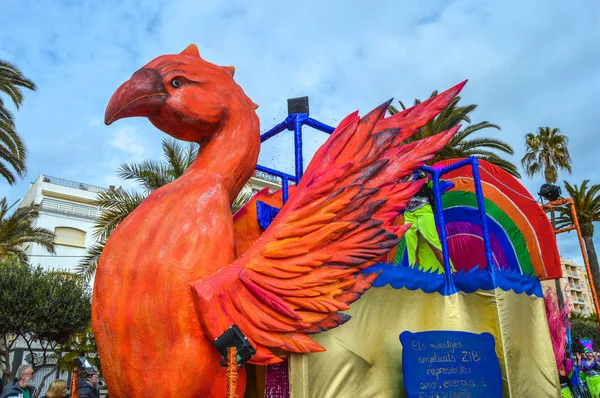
<point>364,356</point>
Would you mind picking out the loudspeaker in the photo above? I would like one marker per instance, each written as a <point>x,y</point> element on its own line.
<point>298,105</point>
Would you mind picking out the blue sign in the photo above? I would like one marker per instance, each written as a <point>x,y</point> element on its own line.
<point>450,364</point>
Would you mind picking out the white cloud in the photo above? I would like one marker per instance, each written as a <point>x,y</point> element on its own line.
<point>127,139</point>
<point>529,64</point>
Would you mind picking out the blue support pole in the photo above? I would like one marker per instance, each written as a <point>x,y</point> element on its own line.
<point>452,167</point>
<point>482,213</point>
<point>439,215</point>
<point>294,122</point>
<point>284,190</point>
<point>315,124</point>
<point>299,119</point>
<point>276,129</point>
<point>285,179</point>
<point>439,219</point>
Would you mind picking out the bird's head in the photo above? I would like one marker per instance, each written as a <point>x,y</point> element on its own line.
<point>181,94</point>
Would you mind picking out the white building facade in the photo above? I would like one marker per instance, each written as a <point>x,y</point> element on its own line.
<point>65,208</point>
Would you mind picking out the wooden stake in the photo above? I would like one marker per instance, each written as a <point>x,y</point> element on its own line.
<point>74,379</point>
<point>232,368</point>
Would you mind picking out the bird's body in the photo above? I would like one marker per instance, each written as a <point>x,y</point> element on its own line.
<point>169,280</point>
<point>178,235</point>
<point>150,290</point>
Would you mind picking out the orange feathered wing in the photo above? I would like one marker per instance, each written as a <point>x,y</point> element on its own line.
<point>305,267</point>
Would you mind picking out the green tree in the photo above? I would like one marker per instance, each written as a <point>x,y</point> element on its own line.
<point>12,149</point>
<point>42,308</point>
<point>17,229</point>
<point>587,206</point>
<point>117,204</point>
<point>546,153</point>
<point>584,329</point>
<point>80,345</point>
<point>463,145</point>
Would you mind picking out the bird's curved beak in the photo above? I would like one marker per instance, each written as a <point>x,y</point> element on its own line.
<point>142,95</point>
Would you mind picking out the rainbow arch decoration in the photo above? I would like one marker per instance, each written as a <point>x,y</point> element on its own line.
<point>521,239</point>
<point>521,236</point>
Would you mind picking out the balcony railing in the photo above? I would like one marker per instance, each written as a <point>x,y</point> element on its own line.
<point>576,286</point>
<point>267,177</point>
<point>72,209</point>
<point>72,184</point>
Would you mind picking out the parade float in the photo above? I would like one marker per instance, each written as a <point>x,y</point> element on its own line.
<point>311,291</point>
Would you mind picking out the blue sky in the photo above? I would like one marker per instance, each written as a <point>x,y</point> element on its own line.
<point>529,64</point>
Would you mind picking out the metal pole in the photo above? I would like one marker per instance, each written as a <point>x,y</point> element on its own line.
<point>481,205</point>
<point>586,261</point>
<point>559,296</point>
<point>298,121</point>
<point>284,188</point>
<point>439,215</point>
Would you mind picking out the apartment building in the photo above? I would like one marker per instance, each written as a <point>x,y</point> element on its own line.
<point>575,287</point>
<point>66,208</point>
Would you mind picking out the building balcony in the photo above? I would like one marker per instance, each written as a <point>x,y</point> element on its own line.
<point>578,300</point>
<point>71,209</point>
<point>72,184</point>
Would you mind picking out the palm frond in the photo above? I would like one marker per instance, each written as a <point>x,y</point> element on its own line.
<point>12,150</point>
<point>392,109</point>
<point>11,79</point>
<point>17,230</point>
<point>462,145</point>
<point>150,174</point>
<point>503,164</point>
<point>240,201</point>
<point>116,205</point>
<point>491,143</point>
<point>89,263</point>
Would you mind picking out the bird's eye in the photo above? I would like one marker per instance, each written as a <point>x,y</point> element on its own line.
<point>176,83</point>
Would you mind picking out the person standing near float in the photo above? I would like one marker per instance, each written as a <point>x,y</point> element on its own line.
<point>565,374</point>
<point>24,386</point>
<point>590,367</point>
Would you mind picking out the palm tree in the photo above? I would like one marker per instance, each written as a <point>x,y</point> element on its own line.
<point>546,153</point>
<point>587,206</point>
<point>117,204</point>
<point>17,229</point>
<point>12,149</point>
<point>462,145</point>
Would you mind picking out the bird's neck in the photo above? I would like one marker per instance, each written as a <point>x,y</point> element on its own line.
<point>231,153</point>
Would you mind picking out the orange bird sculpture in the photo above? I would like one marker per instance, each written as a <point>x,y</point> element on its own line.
<point>180,270</point>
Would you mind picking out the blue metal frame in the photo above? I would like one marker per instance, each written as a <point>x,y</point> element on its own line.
<point>439,214</point>
<point>294,122</point>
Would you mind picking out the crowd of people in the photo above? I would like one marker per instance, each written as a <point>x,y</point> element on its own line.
<point>88,385</point>
<point>582,373</point>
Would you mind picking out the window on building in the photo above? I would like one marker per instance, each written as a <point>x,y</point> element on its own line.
<point>69,236</point>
